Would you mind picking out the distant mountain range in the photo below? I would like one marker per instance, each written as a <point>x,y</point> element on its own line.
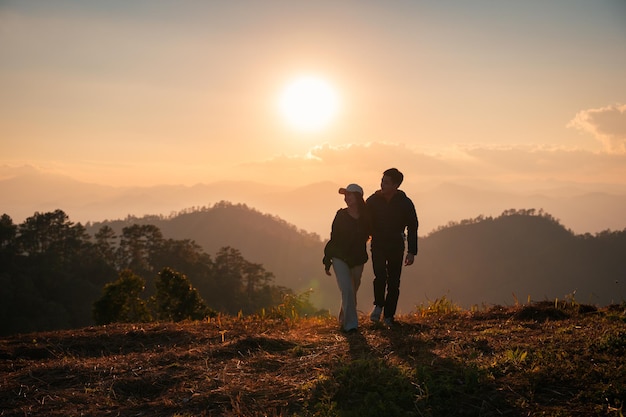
<point>491,261</point>
<point>588,209</point>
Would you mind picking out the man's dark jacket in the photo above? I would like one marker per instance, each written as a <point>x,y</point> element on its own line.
<point>390,219</point>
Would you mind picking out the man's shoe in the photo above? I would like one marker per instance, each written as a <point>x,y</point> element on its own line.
<point>376,312</point>
<point>388,321</point>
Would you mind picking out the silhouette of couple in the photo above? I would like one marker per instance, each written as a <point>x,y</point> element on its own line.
<point>384,216</point>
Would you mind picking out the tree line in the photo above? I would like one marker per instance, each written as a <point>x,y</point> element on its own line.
<point>55,275</point>
<point>52,271</point>
<point>520,254</point>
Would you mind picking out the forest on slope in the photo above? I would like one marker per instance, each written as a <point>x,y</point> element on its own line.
<point>520,254</point>
<point>523,253</point>
<point>55,275</point>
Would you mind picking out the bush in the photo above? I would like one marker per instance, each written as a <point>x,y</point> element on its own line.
<point>176,299</point>
<point>120,301</point>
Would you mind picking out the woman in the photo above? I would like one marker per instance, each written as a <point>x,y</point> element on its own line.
<point>346,252</point>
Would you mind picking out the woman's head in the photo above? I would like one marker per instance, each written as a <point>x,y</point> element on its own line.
<point>353,195</point>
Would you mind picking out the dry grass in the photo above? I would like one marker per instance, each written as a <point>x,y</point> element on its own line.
<point>541,359</point>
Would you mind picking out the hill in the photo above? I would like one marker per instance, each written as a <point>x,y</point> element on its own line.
<point>293,255</point>
<point>490,260</point>
<point>521,253</point>
<point>51,278</point>
<point>585,208</point>
<point>542,359</point>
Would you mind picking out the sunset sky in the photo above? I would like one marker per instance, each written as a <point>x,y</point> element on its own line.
<point>185,92</point>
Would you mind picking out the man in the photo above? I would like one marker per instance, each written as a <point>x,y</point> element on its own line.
<point>392,212</point>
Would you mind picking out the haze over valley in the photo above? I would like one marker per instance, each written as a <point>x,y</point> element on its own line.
<point>484,259</point>
<point>582,208</point>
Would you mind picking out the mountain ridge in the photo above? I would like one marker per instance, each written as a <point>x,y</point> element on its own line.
<point>524,253</point>
<point>310,206</point>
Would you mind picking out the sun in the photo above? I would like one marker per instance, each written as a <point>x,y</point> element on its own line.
<point>308,103</point>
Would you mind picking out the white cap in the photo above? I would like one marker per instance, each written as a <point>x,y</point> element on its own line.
<point>351,188</point>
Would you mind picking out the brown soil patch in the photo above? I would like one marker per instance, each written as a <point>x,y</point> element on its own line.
<point>528,360</point>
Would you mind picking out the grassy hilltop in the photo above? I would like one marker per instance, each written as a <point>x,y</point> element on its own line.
<point>541,359</point>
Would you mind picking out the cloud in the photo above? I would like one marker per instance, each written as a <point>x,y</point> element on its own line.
<point>378,156</point>
<point>366,162</point>
<point>606,124</point>
<point>556,163</point>
<point>353,162</point>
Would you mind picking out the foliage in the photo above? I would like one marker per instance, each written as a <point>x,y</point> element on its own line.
<point>54,275</point>
<point>137,247</point>
<point>176,299</point>
<point>440,306</point>
<point>526,252</point>
<point>479,260</point>
<point>121,301</point>
<point>294,306</point>
<point>242,283</point>
<point>52,270</point>
<point>291,254</point>
<point>50,274</point>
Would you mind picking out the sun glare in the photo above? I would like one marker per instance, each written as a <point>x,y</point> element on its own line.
<point>308,103</point>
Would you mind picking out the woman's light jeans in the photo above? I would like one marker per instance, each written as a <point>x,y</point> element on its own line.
<point>348,280</point>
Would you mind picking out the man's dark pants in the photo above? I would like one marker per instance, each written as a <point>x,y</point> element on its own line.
<point>387,264</point>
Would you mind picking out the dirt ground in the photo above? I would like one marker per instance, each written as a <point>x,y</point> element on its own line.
<point>539,359</point>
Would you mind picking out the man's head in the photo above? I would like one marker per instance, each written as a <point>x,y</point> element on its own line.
<point>392,178</point>
<point>396,176</point>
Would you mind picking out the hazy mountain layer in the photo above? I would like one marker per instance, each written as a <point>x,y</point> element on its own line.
<point>582,208</point>
<point>484,261</point>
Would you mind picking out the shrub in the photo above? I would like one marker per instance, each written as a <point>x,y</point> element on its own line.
<point>121,301</point>
<point>176,299</point>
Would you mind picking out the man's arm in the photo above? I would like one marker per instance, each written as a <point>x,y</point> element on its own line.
<point>412,226</point>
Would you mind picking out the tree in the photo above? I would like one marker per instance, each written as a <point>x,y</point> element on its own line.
<point>121,301</point>
<point>8,232</point>
<point>105,243</point>
<point>228,270</point>
<point>137,247</point>
<point>51,233</point>
<point>242,285</point>
<point>8,249</point>
<point>256,286</point>
<point>176,299</point>
<point>54,268</point>
<point>54,275</point>
<point>182,255</point>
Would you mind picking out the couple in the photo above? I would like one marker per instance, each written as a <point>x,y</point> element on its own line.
<point>385,217</point>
